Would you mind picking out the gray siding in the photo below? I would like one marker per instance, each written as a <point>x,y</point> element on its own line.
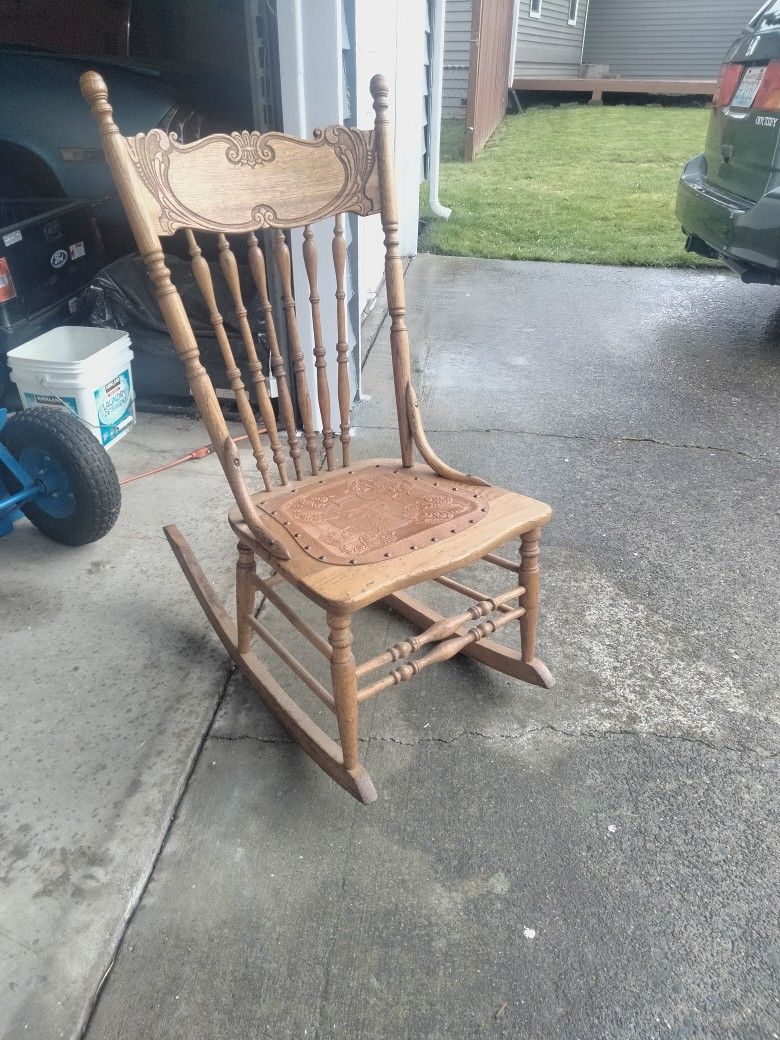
<point>679,39</point>
<point>549,46</point>
<point>664,38</point>
<point>457,46</point>
<point>546,46</point>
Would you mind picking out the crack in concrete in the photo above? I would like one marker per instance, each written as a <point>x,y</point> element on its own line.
<point>250,736</point>
<point>693,447</point>
<point>589,440</point>
<point>589,735</point>
<point>374,338</point>
<point>519,737</point>
<point>88,1011</point>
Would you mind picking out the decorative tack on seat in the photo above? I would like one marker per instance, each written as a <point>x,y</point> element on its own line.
<point>374,515</point>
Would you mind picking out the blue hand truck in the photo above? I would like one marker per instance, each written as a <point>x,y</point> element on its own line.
<point>54,472</point>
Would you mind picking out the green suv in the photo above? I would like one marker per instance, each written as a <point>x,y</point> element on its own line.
<point>728,200</point>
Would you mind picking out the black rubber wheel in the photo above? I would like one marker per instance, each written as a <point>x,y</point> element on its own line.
<point>80,496</point>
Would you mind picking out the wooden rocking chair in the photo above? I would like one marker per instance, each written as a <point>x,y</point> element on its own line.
<point>352,534</point>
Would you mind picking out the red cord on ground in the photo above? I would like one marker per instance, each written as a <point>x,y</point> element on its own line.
<point>199,453</point>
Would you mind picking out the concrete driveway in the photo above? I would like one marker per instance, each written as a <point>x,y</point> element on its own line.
<point>594,861</point>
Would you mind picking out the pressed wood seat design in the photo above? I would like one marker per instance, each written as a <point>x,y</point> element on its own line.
<point>409,524</point>
<point>345,533</point>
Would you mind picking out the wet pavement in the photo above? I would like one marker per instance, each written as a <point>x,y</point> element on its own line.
<point>598,860</point>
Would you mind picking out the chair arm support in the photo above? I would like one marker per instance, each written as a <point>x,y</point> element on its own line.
<point>425,449</point>
<point>231,464</point>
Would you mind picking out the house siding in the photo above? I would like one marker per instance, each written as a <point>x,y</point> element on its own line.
<point>546,46</point>
<point>665,38</point>
<point>457,49</point>
<point>549,46</point>
<point>662,39</point>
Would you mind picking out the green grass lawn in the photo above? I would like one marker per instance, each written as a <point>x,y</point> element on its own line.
<point>578,184</point>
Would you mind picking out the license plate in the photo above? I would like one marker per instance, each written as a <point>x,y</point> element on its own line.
<point>748,87</point>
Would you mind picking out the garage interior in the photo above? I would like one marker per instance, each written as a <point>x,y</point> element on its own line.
<point>67,256</point>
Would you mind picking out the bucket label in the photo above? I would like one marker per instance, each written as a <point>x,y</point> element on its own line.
<point>49,401</point>
<point>114,404</point>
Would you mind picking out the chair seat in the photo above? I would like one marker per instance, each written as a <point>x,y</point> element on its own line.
<point>356,535</point>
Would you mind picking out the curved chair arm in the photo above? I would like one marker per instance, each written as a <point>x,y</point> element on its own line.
<point>231,464</point>
<point>425,449</point>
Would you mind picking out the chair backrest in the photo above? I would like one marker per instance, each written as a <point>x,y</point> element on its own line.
<point>237,184</point>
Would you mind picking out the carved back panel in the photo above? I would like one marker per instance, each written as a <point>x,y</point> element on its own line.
<point>234,185</point>
<point>244,181</point>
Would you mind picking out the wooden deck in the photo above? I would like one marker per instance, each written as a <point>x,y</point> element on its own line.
<point>597,87</point>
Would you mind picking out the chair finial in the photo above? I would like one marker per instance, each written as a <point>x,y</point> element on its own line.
<point>380,89</point>
<point>93,87</point>
<point>95,93</point>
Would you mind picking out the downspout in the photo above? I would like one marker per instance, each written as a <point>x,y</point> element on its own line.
<point>518,108</point>
<point>584,31</point>
<point>301,129</point>
<point>437,76</point>
<point>513,48</point>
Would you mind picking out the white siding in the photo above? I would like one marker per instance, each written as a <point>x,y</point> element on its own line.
<point>312,89</point>
<point>390,38</point>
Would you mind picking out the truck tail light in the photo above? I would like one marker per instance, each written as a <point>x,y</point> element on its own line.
<point>7,291</point>
<point>768,96</point>
<point>728,81</point>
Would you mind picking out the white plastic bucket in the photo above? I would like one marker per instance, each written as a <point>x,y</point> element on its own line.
<point>85,370</point>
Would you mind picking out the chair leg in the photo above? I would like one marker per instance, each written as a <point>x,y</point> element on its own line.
<point>322,750</point>
<point>529,577</point>
<point>344,678</point>
<point>246,569</point>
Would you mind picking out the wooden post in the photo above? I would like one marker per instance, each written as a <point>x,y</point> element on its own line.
<point>275,362</point>
<point>320,365</point>
<point>529,577</point>
<point>202,274</point>
<point>344,677</point>
<point>339,249</point>
<point>394,271</point>
<point>246,570</point>
<point>284,267</point>
<point>229,268</point>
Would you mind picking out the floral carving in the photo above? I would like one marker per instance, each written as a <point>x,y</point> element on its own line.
<point>150,154</point>
<point>264,217</point>
<point>355,151</point>
<point>249,148</point>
